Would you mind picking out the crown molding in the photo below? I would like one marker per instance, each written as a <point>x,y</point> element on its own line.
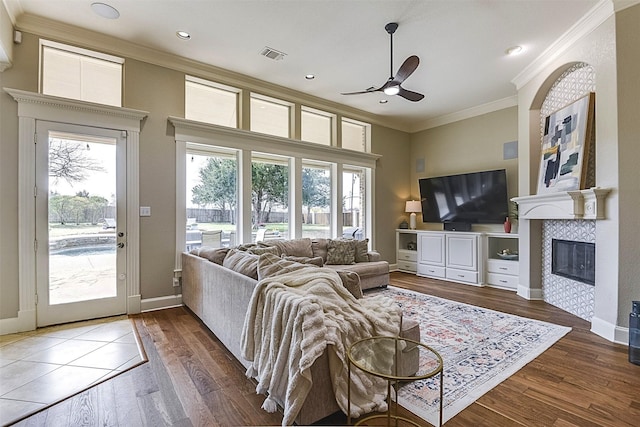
<point>468,113</point>
<point>81,37</point>
<point>589,22</point>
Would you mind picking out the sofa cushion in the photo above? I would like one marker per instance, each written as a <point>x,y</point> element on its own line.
<point>305,260</point>
<point>362,250</point>
<point>271,265</point>
<point>351,281</point>
<point>268,250</point>
<point>341,252</point>
<point>293,247</point>
<point>242,262</point>
<point>216,255</point>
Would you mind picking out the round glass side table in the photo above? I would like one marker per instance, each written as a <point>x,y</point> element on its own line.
<point>386,357</point>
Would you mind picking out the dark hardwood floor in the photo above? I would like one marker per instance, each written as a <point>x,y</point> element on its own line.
<point>192,380</point>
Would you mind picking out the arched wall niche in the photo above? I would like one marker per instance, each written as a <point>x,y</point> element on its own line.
<point>563,86</point>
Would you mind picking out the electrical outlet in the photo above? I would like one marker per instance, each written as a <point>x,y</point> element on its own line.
<point>176,282</point>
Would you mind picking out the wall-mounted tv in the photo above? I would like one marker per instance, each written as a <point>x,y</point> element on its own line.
<point>473,198</point>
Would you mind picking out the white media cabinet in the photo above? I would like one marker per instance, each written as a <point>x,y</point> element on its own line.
<point>466,257</point>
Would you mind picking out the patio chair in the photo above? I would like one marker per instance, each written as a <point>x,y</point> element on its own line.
<point>212,239</point>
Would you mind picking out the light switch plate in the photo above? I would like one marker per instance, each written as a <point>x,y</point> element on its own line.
<point>145,210</point>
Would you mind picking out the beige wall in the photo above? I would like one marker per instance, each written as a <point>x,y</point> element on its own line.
<point>160,91</point>
<point>392,186</point>
<point>628,75</point>
<point>470,145</point>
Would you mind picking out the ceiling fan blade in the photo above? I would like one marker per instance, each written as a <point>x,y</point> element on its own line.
<point>369,90</point>
<point>409,95</point>
<point>407,68</point>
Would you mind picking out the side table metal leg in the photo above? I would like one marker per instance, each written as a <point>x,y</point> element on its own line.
<point>349,393</point>
<point>441,395</point>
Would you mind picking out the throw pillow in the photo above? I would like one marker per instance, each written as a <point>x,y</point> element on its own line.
<point>341,252</point>
<point>242,262</point>
<point>216,255</point>
<point>362,250</point>
<point>351,281</point>
<point>268,250</point>
<point>271,265</point>
<point>305,260</point>
<point>319,248</point>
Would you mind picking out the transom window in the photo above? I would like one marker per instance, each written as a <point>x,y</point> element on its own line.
<point>210,102</point>
<point>71,72</point>
<point>271,116</point>
<point>355,135</point>
<point>316,126</point>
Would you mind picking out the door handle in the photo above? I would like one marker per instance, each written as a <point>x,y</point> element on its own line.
<point>120,245</point>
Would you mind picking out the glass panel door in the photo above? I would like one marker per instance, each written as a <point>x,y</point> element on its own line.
<point>80,226</point>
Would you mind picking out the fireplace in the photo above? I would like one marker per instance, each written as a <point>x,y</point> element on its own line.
<point>574,260</point>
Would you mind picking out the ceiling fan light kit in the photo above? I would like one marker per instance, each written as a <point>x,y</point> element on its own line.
<point>393,86</point>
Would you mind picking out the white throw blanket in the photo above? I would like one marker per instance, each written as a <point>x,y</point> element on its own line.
<point>292,318</point>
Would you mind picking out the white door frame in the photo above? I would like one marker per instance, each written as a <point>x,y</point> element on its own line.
<point>33,107</point>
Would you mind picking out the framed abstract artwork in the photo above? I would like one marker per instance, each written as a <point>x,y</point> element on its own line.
<point>567,133</point>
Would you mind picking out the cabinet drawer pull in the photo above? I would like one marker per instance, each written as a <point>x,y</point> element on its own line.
<point>503,268</point>
<point>503,281</point>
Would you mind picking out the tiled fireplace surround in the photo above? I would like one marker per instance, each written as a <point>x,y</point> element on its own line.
<point>570,295</point>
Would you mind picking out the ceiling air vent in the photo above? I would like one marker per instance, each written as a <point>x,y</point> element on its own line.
<point>272,53</point>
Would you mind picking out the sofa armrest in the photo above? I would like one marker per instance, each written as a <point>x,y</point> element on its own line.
<point>374,256</point>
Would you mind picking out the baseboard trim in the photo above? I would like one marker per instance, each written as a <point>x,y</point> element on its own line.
<point>159,303</point>
<point>609,331</point>
<point>26,321</point>
<point>393,267</point>
<point>528,293</point>
<point>134,304</point>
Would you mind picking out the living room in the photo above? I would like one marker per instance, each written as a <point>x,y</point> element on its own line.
<point>609,46</point>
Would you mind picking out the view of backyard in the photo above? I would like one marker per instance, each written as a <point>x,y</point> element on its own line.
<point>82,210</point>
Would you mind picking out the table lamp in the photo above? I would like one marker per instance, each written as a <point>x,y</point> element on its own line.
<point>413,206</point>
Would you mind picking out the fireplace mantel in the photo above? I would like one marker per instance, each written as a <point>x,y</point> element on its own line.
<point>579,204</point>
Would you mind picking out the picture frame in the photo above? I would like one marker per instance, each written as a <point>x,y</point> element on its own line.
<point>565,146</point>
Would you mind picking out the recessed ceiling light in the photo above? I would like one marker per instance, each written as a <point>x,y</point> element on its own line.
<point>183,35</point>
<point>309,77</point>
<point>383,101</point>
<point>514,50</point>
<point>105,10</point>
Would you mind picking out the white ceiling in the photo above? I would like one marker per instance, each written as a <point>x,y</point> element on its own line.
<point>461,43</point>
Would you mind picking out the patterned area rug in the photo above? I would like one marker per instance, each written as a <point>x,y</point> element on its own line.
<point>480,348</point>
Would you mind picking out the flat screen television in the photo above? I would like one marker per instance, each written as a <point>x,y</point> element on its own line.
<point>472,198</point>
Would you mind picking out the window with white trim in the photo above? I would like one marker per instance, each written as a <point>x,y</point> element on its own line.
<point>211,196</point>
<point>71,72</point>
<point>269,196</point>
<point>271,116</point>
<point>316,199</point>
<point>316,126</point>
<point>210,102</point>
<point>354,202</point>
<point>356,135</point>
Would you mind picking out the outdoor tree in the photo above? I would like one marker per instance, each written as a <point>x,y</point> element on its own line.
<point>269,187</point>
<point>68,160</point>
<point>217,185</point>
<point>316,188</point>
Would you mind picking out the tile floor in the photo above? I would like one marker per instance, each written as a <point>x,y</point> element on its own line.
<point>38,368</point>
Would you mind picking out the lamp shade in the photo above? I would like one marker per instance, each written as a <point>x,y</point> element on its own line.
<point>413,206</point>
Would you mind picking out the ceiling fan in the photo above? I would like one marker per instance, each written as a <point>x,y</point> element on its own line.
<point>393,85</point>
